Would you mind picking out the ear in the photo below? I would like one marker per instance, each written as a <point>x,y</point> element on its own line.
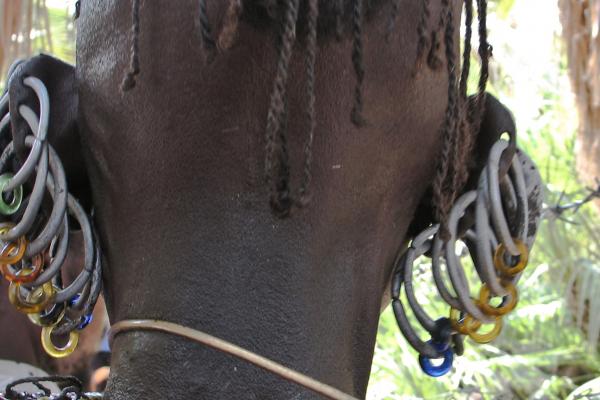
<point>496,120</point>
<point>59,78</point>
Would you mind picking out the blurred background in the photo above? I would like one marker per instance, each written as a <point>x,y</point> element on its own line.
<point>546,68</point>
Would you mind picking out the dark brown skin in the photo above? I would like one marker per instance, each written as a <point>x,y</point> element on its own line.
<point>176,171</point>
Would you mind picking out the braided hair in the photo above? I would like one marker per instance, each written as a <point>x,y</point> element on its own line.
<point>435,48</point>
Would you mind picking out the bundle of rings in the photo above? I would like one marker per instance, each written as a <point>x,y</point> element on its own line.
<point>497,224</point>
<point>33,247</point>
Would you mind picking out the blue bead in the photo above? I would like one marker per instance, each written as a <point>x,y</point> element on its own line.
<point>87,319</point>
<point>74,300</point>
<point>444,367</point>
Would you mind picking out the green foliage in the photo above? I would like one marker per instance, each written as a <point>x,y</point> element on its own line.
<point>502,8</point>
<point>58,39</point>
<point>548,346</point>
<point>63,34</point>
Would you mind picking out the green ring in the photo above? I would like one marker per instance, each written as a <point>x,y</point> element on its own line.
<point>15,204</point>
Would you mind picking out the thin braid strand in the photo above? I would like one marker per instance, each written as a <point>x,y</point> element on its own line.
<point>465,127</point>
<point>423,40</point>
<point>442,199</point>
<point>339,14</point>
<point>231,21</point>
<point>484,52</point>
<point>206,31</point>
<point>358,62</point>
<point>311,52</point>
<point>393,17</point>
<point>466,66</point>
<point>129,81</point>
<point>277,107</point>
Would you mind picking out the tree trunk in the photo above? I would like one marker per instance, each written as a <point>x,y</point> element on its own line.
<point>581,31</point>
<point>580,21</point>
<point>18,20</point>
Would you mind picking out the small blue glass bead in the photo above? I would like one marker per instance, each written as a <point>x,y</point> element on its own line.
<point>436,371</point>
<point>74,300</point>
<point>87,319</point>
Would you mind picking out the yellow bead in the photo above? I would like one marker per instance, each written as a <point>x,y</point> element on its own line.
<point>460,323</point>
<point>52,349</point>
<point>484,337</point>
<point>37,300</point>
<point>510,302</point>
<point>12,253</point>
<point>508,270</point>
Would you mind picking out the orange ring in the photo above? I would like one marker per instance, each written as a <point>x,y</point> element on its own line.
<point>36,268</point>
<point>484,337</point>
<point>10,253</point>
<point>460,323</point>
<point>508,270</point>
<point>485,296</point>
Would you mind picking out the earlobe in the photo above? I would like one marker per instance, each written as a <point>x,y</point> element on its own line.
<point>59,78</point>
<point>496,120</point>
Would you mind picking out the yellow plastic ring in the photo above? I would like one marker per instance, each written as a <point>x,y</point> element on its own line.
<point>484,337</point>
<point>11,253</point>
<point>510,301</point>
<point>37,264</point>
<point>511,270</point>
<point>460,323</point>
<point>37,300</point>
<point>52,349</point>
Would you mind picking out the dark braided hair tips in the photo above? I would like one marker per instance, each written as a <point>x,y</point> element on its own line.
<point>300,27</point>
<point>129,81</point>
<point>276,160</point>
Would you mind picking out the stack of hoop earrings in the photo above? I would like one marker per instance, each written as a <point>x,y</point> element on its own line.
<point>33,246</point>
<point>496,225</point>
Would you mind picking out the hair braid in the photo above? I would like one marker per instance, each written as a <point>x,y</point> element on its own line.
<point>393,17</point>
<point>311,52</point>
<point>276,157</point>
<point>454,102</point>
<point>77,9</point>
<point>484,53</point>
<point>465,126</point>
<point>231,21</point>
<point>433,59</point>
<point>466,66</point>
<point>423,41</point>
<point>443,192</point>
<point>459,121</point>
<point>358,62</point>
<point>281,199</point>
<point>206,31</point>
<point>129,81</point>
<point>339,14</point>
